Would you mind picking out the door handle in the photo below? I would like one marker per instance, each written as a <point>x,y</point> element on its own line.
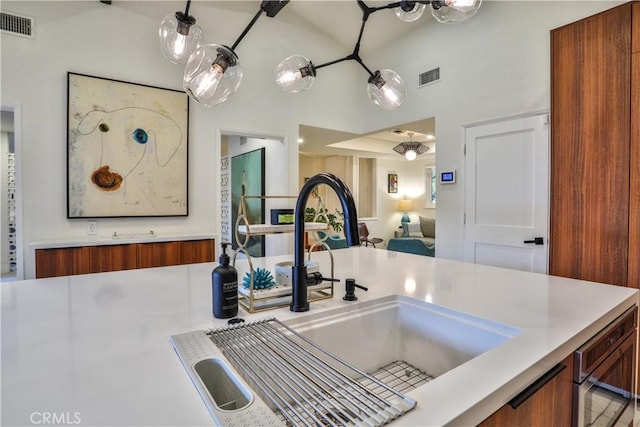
<point>536,241</point>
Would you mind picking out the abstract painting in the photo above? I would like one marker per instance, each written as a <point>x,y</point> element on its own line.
<point>247,178</point>
<point>127,149</point>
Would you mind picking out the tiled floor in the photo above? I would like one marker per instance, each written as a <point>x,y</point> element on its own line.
<point>606,405</point>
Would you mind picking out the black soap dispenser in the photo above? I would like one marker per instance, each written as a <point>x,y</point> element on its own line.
<point>224,287</point>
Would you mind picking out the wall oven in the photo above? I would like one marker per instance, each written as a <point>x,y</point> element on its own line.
<point>604,375</point>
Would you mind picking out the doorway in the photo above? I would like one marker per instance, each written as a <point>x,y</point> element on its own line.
<point>271,172</point>
<point>366,161</point>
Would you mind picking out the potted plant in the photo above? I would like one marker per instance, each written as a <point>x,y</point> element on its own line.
<point>322,215</point>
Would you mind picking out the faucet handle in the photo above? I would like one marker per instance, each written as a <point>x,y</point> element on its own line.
<point>315,278</point>
<point>350,286</point>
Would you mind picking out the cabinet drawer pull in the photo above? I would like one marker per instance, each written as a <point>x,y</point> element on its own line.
<point>537,385</point>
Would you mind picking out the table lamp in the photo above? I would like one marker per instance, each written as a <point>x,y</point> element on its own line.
<point>405,206</point>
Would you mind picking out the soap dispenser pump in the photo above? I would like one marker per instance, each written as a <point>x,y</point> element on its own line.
<point>224,287</point>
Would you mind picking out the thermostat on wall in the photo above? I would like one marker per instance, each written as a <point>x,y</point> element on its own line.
<point>448,177</point>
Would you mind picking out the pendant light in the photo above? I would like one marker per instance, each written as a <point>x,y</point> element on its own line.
<point>295,74</point>
<point>409,11</point>
<point>411,149</point>
<point>213,73</point>
<point>386,89</point>
<point>454,11</point>
<point>179,36</point>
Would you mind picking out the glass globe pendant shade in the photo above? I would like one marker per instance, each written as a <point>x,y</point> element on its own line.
<point>409,11</point>
<point>454,11</point>
<point>410,155</point>
<point>386,89</point>
<point>295,74</point>
<point>212,74</point>
<point>179,36</point>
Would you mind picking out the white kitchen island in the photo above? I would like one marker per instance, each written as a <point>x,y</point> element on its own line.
<point>93,350</point>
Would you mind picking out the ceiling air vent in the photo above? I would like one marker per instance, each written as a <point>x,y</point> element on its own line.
<point>428,77</point>
<point>15,24</point>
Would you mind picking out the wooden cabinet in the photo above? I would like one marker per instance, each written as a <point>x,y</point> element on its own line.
<point>547,402</point>
<point>97,259</point>
<point>113,257</point>
<point>635,27</point>
<point>195,251</point>
<point>591,121</point>
<point>63,261</point>
<point>634,180</point>
<point>158,254</point>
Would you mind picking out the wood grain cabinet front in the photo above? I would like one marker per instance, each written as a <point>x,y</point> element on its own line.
<point>546,402</point>
<point>113,258</point>
<point>195,251</point>
<point>158,254</point>
<point>590,147</point>
<point>634,178</point>
<point>56,262</point>
<point>63,261</point>
<point>635,27</point>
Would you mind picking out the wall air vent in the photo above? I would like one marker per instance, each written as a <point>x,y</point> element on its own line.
<point>17,25</point>
<point>429,77</point>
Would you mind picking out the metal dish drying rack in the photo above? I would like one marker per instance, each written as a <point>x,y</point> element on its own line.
<point>306,385</point>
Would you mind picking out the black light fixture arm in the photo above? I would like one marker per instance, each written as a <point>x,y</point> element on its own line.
<point>270,7</point>
<point>351,57</point>
<point>366,11</point>
<point>355,55</point>
<point>247,29</point>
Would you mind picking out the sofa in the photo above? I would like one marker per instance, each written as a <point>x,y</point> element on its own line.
<point>334,241</point>
<point>417,238</point>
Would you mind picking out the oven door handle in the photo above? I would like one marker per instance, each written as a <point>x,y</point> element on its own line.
<point>537,385</point>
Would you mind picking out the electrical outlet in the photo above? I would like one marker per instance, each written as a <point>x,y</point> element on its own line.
<point>92,228</point>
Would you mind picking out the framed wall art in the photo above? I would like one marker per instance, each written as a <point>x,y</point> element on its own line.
<point>392,183</point>
<point>127,148</point>
<point>247,178</point>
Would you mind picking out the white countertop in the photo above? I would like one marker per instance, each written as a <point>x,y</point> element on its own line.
<point>119,239</point>
<point>95,348</point>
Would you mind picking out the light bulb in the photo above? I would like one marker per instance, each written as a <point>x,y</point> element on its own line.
<point>212,74</point>
<point>386,89</point>
<point>179,36</point>
<point>179,45</point>
<point>410,155</point>
<point>205,83</point>
<point>454,11</point>
<point>409,11</point>
<point>295,74</point>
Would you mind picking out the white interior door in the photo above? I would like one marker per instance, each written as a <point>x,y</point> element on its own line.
<point>507,200</point>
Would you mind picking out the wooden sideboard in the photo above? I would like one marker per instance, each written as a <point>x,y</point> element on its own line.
<point>53,262</point>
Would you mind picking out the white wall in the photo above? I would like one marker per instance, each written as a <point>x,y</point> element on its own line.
<point>120,42</point>
<point>494,65</point>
